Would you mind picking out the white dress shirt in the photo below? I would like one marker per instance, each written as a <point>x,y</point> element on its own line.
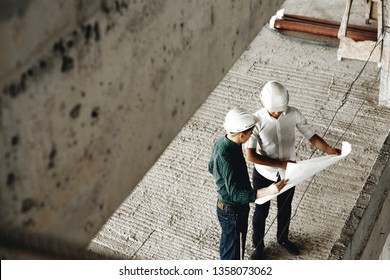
<point>275,138</point>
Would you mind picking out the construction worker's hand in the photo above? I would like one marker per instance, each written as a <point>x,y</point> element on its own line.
<point>276,187</point>
<point>333,151</point>
<point>272,189</point>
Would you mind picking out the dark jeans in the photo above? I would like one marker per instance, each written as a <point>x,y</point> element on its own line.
<point>232,224</point>
<point>261,212</point>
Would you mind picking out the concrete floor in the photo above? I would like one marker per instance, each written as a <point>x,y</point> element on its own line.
<point>171,213</point>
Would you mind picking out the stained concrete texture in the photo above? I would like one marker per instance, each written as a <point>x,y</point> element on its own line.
<point>92,92</point>
<point>171,213</point>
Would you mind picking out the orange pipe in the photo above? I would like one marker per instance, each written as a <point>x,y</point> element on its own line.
<point>325,22</point>
<point>331,31</point>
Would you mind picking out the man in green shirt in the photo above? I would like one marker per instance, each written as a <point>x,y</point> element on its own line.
<point>229,169</point>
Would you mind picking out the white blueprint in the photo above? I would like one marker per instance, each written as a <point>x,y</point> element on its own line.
<point>300,171</point>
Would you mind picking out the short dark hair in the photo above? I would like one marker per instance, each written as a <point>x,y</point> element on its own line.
<point>249,129</point>
<point>245,131</point>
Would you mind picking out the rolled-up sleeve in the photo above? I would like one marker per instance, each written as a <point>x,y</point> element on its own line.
<point>253,139</point>
<point>303,127</point>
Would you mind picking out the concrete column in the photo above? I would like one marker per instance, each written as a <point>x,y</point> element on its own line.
<point>384,92</point>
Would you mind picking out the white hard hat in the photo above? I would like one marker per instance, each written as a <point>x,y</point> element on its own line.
<point>274,97</point>
<point>238,120</point>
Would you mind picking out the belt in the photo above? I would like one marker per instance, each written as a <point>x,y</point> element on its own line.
<point>225,207</point>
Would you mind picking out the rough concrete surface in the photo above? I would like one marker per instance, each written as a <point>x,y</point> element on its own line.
<point>171,213</point>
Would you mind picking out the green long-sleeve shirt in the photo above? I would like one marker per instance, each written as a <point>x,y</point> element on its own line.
<point>228,166</point>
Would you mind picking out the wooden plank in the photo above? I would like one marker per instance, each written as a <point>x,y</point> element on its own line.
<point>344,21</point>
<point>374,10</point>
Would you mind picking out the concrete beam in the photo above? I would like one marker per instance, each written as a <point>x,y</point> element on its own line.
<point>92,92</point>
<point>366,230</point>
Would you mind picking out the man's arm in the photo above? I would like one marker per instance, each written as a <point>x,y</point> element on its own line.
<point>254,157</point>
<point>321,144</point>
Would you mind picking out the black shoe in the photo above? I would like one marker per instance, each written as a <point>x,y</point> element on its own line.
<point>258,255</point>
<point>290,247</point>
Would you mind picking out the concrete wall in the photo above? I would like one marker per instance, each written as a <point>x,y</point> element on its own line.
<point>92,92</point>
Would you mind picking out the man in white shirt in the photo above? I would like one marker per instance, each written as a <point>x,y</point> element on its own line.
<point>270,147</point>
